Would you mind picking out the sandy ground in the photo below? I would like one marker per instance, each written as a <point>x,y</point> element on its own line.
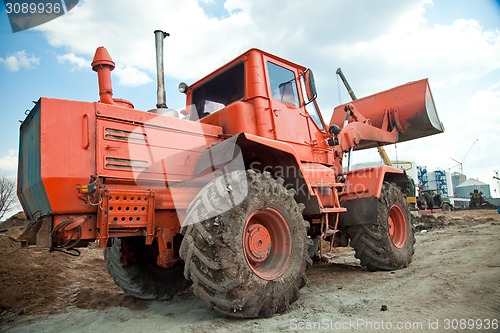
<point>452,285</point>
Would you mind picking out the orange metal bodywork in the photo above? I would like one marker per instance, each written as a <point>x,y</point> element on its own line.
<point>265,117</point>
<point>408,108</point>
<point>142,166</point>
<point>365,183</point>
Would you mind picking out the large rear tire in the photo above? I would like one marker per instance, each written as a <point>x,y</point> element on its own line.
<point>141,277</point>
<point>389,243</point>
<point>248,261</point>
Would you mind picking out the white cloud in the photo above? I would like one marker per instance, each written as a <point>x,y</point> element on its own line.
<point>8,163</point>
<point>379,44</point>
<point>233,6</point>
<point>127,76</point>
<point>462,51</point>
<point>130,76</point>
<point>19,60</point>
<point>77,62</point>
<point>482,116</point>
<point>197,44</point>
<point>382,37</point>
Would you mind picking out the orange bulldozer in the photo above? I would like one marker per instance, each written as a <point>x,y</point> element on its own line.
<point>233,195</point>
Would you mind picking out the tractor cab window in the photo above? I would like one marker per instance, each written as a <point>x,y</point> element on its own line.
<point>315,115</point>
<point>218,92</point>
<point>283,85</point>
<point>311,106</point>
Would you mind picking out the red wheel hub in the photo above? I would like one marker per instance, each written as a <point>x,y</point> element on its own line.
<point>258,243</point>
<point>397,226</point>
<point>267,243</point>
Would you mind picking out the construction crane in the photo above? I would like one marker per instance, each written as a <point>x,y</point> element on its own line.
<point>461,163</point>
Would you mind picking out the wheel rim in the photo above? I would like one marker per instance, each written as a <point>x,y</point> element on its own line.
<point>397,226</point>
<point>267,243</point>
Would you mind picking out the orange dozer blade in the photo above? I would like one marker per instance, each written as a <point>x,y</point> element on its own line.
<point>414,106</point>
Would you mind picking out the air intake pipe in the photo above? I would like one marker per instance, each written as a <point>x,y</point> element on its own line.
<point>103,65</point>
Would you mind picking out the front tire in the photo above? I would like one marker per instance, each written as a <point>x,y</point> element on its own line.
<point>248,261</point>
<point>389,243</point>
<point>447,207</point>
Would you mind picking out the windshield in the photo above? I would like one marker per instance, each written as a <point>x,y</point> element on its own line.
<point>219,92</point>
<point>311,106</point>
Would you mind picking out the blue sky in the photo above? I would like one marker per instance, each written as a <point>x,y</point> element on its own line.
<point>378,44</point>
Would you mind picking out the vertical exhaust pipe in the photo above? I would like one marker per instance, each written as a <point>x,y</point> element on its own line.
<point>161,99</point>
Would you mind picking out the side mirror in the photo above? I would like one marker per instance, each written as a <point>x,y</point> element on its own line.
<point>310,85</point>
<point>334,129</point>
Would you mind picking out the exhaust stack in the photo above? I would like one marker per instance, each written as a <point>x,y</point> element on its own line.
<point>161,99</point>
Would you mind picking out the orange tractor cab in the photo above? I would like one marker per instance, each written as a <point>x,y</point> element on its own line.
<point>234,197</point>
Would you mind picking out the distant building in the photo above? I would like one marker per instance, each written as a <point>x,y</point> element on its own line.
<point>434,180</point>
<point>467,187</point>
<point>423,179</point>
<point>457,178</point>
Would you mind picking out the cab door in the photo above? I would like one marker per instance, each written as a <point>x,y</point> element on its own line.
<point>290,120</point>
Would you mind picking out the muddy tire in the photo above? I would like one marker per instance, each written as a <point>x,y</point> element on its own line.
<point>447,207</point>
<point>249,260</point>
<point>141,277</point>
<point>387,244</point>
